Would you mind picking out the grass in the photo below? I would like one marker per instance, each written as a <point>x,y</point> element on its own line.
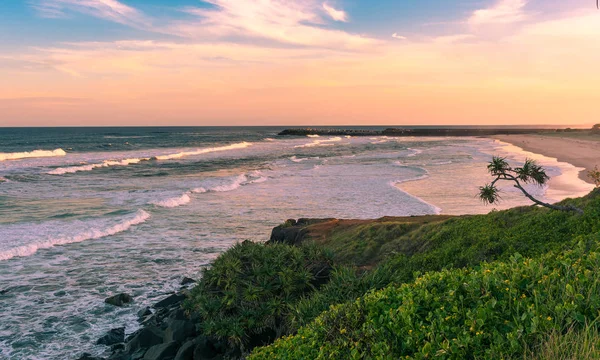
<point>575,344</point>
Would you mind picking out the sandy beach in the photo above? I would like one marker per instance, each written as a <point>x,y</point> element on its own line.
<point>581,153</point>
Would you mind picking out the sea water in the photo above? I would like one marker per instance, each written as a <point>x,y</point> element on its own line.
<point>86,213</point>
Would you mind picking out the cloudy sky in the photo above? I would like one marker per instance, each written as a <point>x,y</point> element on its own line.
<point>300,62</point>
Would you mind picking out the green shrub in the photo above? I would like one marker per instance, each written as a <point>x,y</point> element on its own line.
<point>246,295</point>
<point>499,308</point>
<point>459,242</point>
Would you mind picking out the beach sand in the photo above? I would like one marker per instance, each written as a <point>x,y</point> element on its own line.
<point>578,152</point>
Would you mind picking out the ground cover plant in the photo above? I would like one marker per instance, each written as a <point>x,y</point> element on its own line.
<point>497,308</point>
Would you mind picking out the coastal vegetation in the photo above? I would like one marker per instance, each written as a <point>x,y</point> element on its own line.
<point>595,175</point>
<point>515,282</point>
<point>530,172</point>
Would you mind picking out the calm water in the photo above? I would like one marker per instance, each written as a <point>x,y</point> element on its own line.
<point>86,213</point>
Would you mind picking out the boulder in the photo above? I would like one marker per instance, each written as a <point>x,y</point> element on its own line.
<point>144,338</point>
<point>144,312</point>
<point>119,299</point>
<point>186,351</point>
<point>205,349</point>
<point>170,301</point>
<point>187,281</point>
<point>114,336</point>
<point>88,356</point>
<point>179,330</point>
<point>293,232</point>
<point>162,352</point>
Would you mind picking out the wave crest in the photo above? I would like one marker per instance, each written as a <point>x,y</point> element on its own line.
<point>125,162</point>
<point>32,154</point>
<point>173,202</point>
<point>91,234</point>
<point>178,155</point>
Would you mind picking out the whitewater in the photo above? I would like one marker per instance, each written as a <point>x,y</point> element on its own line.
<point>87,213</point>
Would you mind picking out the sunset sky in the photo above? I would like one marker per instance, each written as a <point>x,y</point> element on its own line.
<point>298,62</point>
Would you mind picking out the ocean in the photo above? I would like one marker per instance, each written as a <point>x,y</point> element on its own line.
<point>86,213</point>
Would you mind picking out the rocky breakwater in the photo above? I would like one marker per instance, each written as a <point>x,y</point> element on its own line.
<point>167,332</point>
<point>408,131</point>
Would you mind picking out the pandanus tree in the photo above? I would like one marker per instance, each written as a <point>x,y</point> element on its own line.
<point>529,173</point>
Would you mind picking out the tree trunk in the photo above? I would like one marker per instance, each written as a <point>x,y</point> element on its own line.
<point>550,206</point>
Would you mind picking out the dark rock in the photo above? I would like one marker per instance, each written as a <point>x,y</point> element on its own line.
<point>178,314</point>
<point>117,347</point>
<point>144,338</point>
<point>293,232</point>
<point>144,312</point>
<point>186,351</point>
<point>119,299</point>
<point>179,330</point>
<point>120,355</point>
<point>162,352</point>
<point>206,349</point>
<point>114,336</point>
<point>187,281</point>
<point>88,356</point>
<point>170,301</point>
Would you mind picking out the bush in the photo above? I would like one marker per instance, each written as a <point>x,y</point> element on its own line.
<point>246,295</point>
<point>595,175</point>
<point>499,308</point>
<point>459,242</point>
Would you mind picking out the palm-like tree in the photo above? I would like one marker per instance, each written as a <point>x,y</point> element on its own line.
<point>530,172</point>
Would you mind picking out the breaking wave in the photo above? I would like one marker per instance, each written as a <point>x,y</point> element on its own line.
<point>318,142</point>
<point>90,167</point>
<point>173,202</point>
<point>179,155</point>
<point>32,154</point>
<point>89,234</point>
<point>125,162</point>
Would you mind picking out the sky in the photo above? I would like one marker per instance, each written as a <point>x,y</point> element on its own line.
<point>299,62</point>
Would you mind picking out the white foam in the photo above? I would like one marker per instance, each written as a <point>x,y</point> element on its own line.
<point>323,142</point>
<point>270,139</point>
<point>259,180</point>
<point>179,155</point>
<point>298,160</point>
<point>415,152</point>
<point>173,202</point>
<point>90,167</point>
<point>89,234</point>
<point>313,136</point>
<point>199,190</point>
<point>379,141</point>
<point>436,210</point>
<point>237,182</point>
<point>32,154</point>
<point>567,184</point>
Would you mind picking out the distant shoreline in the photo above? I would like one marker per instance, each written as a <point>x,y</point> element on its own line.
<point>582,153</point>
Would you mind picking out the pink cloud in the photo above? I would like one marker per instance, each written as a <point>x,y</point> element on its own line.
<point>503,12</point>
<point>337,15</point>
<point>111,10</point>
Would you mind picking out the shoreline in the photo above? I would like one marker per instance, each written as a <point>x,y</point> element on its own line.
<point>580,153</point>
